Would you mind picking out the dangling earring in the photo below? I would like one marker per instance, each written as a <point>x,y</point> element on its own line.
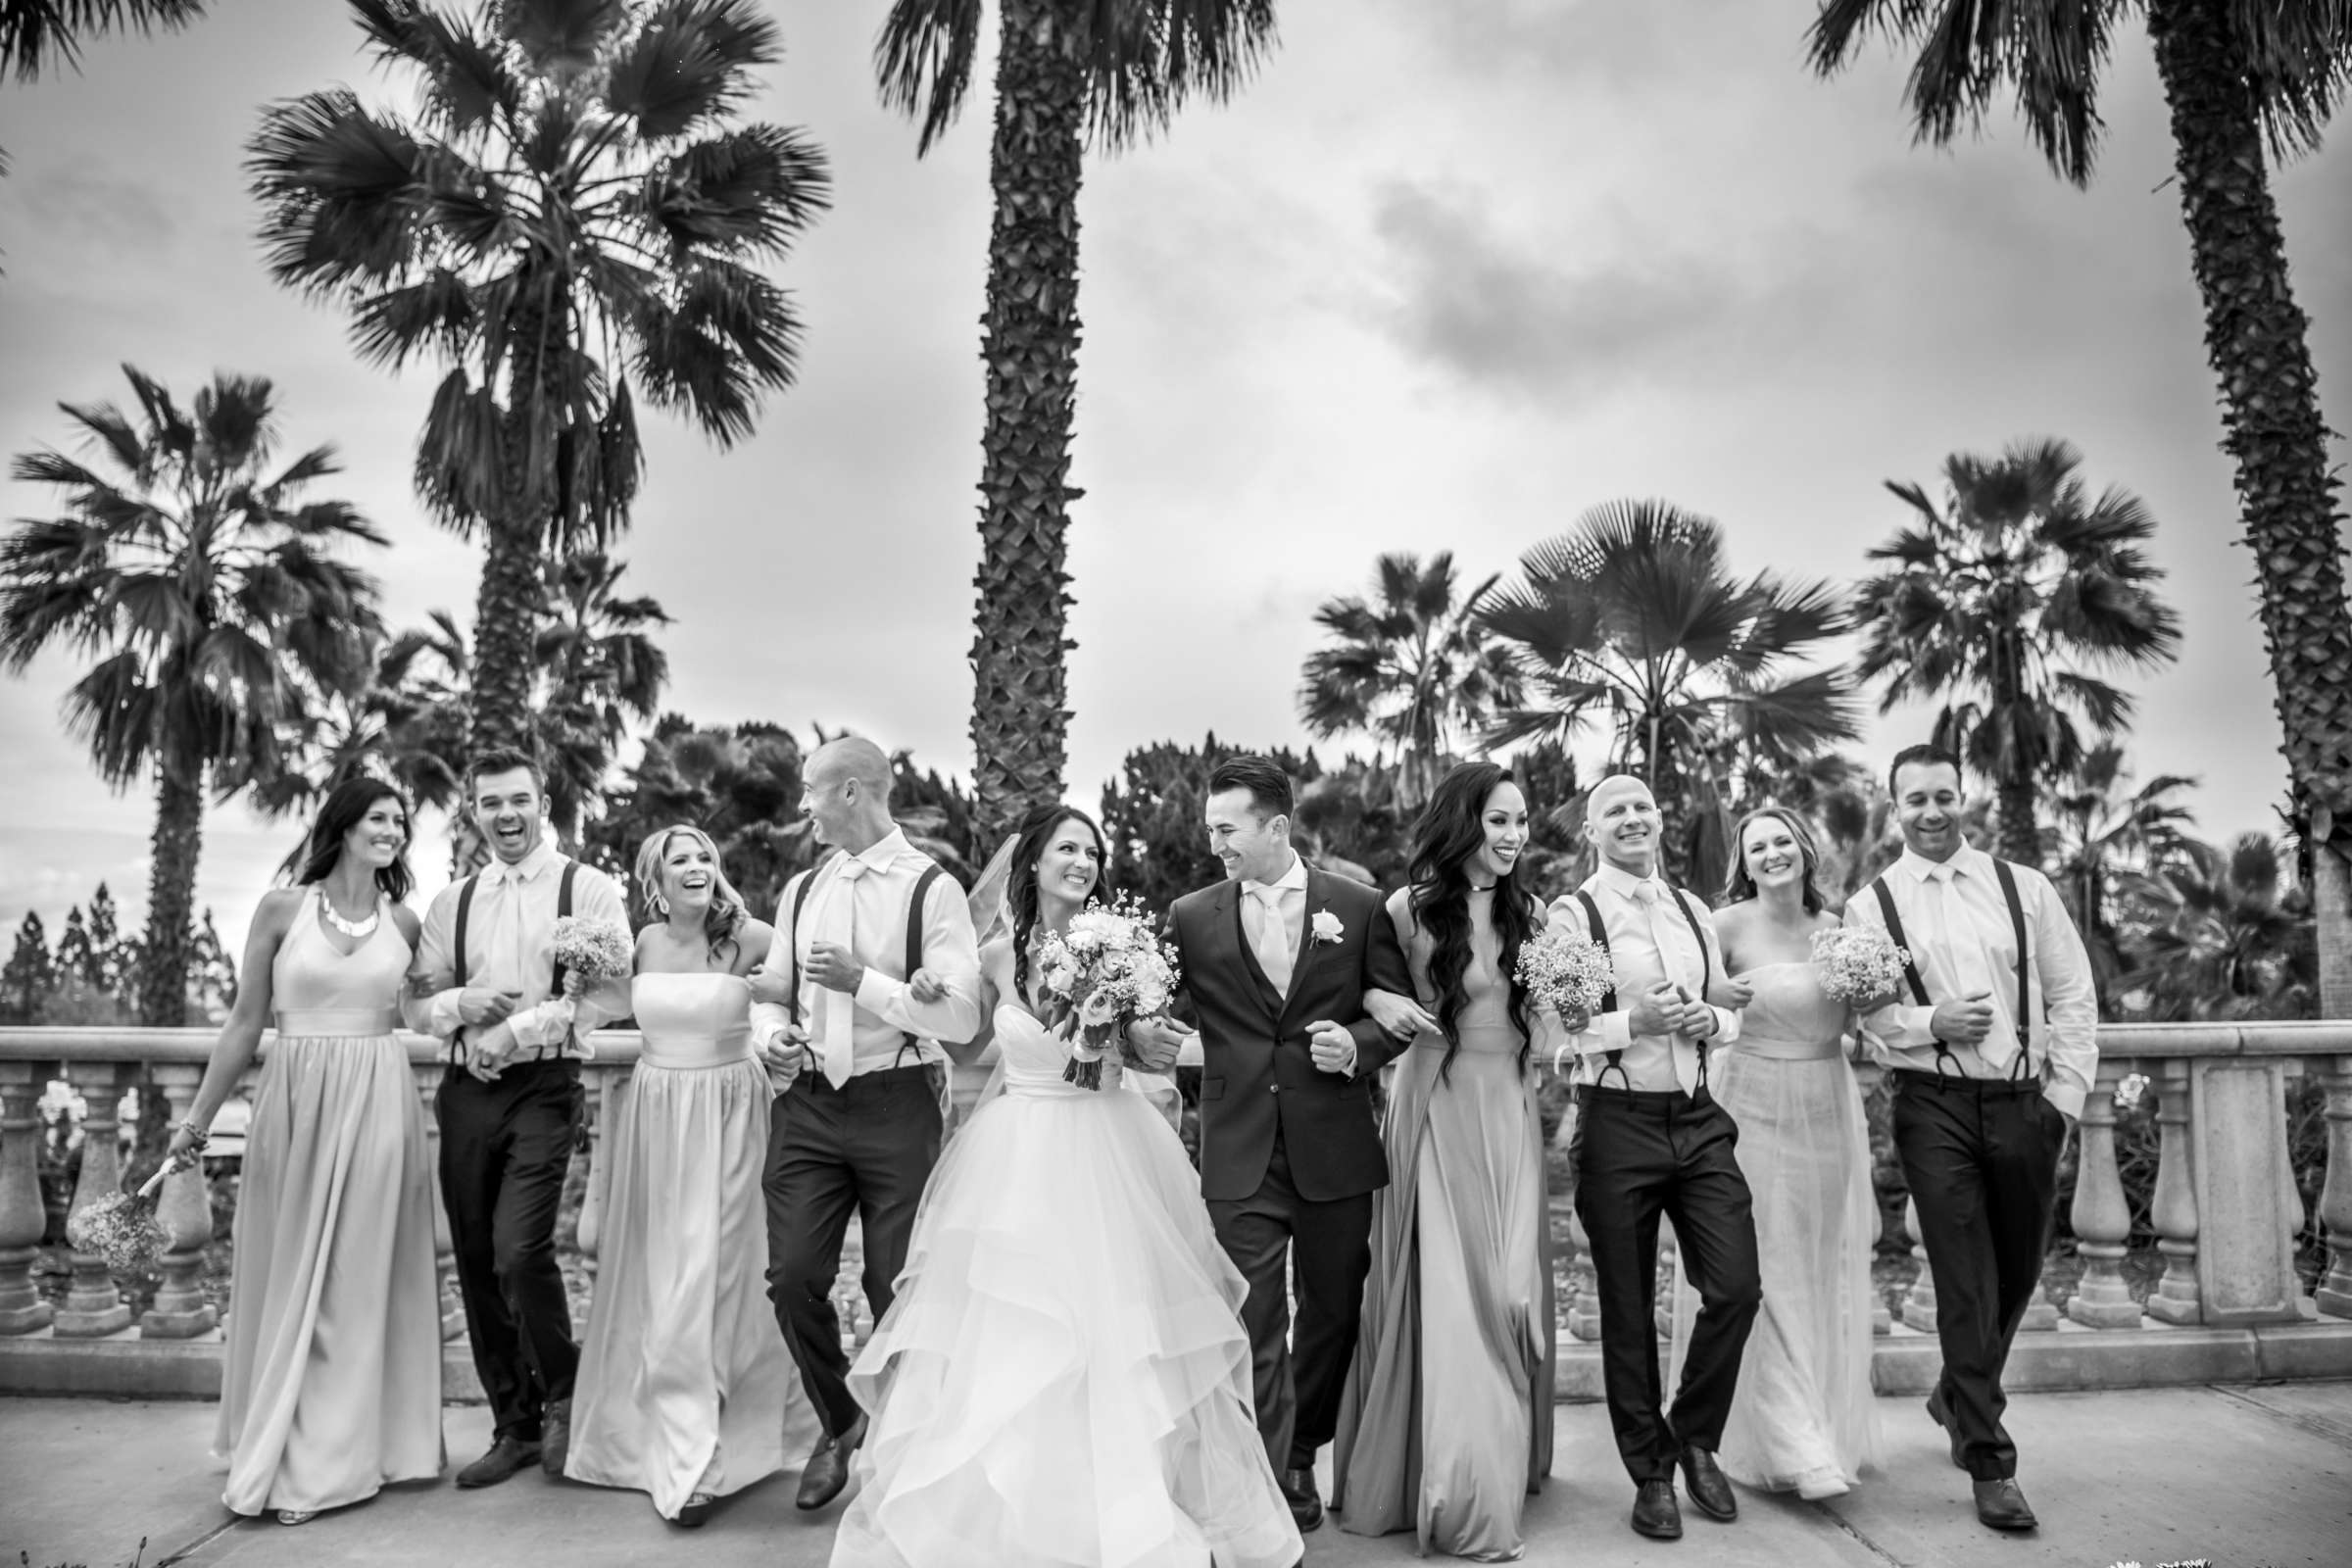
<point>662,904</point>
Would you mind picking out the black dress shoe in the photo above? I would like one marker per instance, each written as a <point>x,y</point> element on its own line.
<point>1655,1514</point>
<point>554,1436</point>
<point>507,1455</point>
<point>2000,1505</point>
<point>1306,1505</point>
<point>1941,1414</point>
<point>1710,1492</point>
<point>695,1512</point>
<point>829,1468</point>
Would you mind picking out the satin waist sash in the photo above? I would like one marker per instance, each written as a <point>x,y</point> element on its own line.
<point>1789,1050</point>
<point>698,1054</point>
<point>329,1022</point>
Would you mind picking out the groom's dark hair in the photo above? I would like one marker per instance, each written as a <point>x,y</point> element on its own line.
<point>1268,785</point>
<point>1922,756</point>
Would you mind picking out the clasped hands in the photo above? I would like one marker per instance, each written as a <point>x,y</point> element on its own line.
<point>1669,1009</point>
<point>1156,1041</point>
<point>484,1007</point>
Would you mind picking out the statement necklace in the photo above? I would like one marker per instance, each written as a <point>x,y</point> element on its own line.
<point>351,928</point>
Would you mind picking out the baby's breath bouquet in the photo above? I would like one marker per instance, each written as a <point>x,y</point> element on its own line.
<point>591,951</point>
<point>122,1228</point>
<point>1108,970</point>
<point>1857,965</point>
<point>1567,972</point>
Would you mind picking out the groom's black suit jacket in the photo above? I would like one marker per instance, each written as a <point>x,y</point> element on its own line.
<point>1257,1072</point>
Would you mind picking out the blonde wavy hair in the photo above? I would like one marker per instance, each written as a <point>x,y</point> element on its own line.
<point>728,911</point>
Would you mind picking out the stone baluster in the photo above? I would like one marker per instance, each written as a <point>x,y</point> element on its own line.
<point>2177,1299</point>
<point>1919,1301</point>
<point>2290,1195</point>
<point>445,1262</point>
<point>23,1218</point>
<point>610,1085</point>
<point>2101,1216</point>
<point>1584,1298</point>
<point>1882,1318</point>
<point>184,1211</point>
<point>2335,1295</point>
<point>1670,1281</point>
<point>94,1309</point>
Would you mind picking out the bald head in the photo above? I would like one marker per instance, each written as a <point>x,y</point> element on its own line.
<point>845,793</point>
<point>1622,824</point>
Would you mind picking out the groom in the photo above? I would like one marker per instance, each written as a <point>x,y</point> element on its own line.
<point>1276,960</point>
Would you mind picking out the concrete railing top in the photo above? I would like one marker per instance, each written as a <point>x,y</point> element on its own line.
<point>618,1047</point>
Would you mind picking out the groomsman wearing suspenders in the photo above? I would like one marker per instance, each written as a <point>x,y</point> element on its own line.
<point>1650,1139</point>
<point>874,962</point>
<point>510,1105</point>
<point>1991,1050</point>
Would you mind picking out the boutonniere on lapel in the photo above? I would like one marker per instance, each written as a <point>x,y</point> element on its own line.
<point>1326,927</point>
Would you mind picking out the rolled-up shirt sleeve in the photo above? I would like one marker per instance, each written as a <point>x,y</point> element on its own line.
<point>593,897</point>
<point>952,953</point>
<point>429,1004</point>
<point>2071,997</point>
<point>1899,1025</point>
<point>769,1019</point>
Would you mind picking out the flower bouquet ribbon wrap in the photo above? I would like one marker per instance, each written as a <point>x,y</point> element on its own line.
<point>1857,965</point>
<point>122,1228</point>
<point>1566,972</point>
<point>591,951</point>
<point>1108,970</point>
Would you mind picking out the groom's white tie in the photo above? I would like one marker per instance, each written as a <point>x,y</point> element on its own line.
<point>1650,899</point>
<point>1272,940</point>
<point>836,1019</point>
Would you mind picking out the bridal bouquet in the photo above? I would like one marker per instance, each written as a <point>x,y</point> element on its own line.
<point>591,951</point>
<point>1108,970</point>
<point>122,1228</point>
<point>1565,970</point>
<point>1857,965</point>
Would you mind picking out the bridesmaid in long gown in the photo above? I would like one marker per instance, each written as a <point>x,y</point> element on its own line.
<point>1803,1419</point>
<point>685,1391</point>
<point>333,1383</point>
<point>1445,1427</point>
<point>1064,1378</point>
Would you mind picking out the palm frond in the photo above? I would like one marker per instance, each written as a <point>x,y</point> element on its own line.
<point>924,62</point>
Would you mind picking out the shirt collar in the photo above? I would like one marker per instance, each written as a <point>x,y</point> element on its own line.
<point>529,867</point>
<point>1968,860</point>
<point>879,855</point>
<point>1620,881</point>
<point>1291,881</point>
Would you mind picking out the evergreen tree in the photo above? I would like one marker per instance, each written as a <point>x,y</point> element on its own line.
<point>26,983</point>
<point>212,974</point>
<point>106,969</point>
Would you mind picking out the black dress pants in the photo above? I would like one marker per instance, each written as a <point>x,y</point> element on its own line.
<point>1278,1238</point>
<point>1638,1155</point>
<point>505,1147</point>
<point>868,1146</point>
<point>1981,1157</point>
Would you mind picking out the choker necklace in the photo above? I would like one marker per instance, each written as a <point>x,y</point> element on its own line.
<point>1482,887</point>
<point>351,928</point>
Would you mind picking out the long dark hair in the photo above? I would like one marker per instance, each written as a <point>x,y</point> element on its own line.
<point>347,807</point>
<point>1449,833</point>
<point>1020,881</point>
<point>1738,887</point>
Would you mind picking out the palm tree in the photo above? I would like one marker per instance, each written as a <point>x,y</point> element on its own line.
<point>2104,833</point>
<point>1411,667</point>
<point>1112,71</point>
<point>2236,74</point>
<point>1631,620</point>
<point>598,669</point>
<point>2021,575</point>
<point>2221,935</point>
<point>213,602</point>
<point>38,36</point>
<point>569,221</point>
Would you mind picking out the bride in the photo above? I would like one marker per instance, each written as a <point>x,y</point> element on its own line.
<point>1063,1377</point>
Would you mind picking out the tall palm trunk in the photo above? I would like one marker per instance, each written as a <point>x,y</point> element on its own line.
<point>2020,837</point>
<point>507,610</point>
<point>170,902</point>
<point>2256,340</point>
<point>1029,344</point>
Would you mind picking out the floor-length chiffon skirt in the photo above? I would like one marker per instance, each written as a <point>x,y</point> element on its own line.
<point>332,1381</point>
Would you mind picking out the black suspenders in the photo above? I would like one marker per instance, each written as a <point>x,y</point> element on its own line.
<point>1615,1061</point>
<point>456,943</point>
<point>908,1041</point>
<point>2022,1068</point>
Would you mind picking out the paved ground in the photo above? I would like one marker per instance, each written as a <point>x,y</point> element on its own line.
<point>2247,1476</point>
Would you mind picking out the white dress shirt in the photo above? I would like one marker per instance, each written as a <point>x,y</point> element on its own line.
<point>1649,940</point>
<point>1955,963</point>
<point>1289,899</point>
<point>885,1011</point>
<point>510,946</point>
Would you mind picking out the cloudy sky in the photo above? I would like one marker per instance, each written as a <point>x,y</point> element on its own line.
<point>1443,278</point>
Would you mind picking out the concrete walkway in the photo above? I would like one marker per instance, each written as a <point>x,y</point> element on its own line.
<point>2250,1475</point>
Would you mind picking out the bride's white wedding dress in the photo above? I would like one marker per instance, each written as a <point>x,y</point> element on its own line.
<point>1063,1378</point>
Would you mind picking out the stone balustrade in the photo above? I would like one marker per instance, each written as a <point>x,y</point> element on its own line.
<point>2226,1209</point>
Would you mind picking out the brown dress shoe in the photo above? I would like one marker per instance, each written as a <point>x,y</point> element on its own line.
<point>554,1436</point>
<point>507,1455</point>
<point>1656,1513</point>
<point>1940,1414</point>
<point>1711,1494</point>
<point>829,1468</point>
<point>1306,1505</point>
<point>2000,1505</point>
